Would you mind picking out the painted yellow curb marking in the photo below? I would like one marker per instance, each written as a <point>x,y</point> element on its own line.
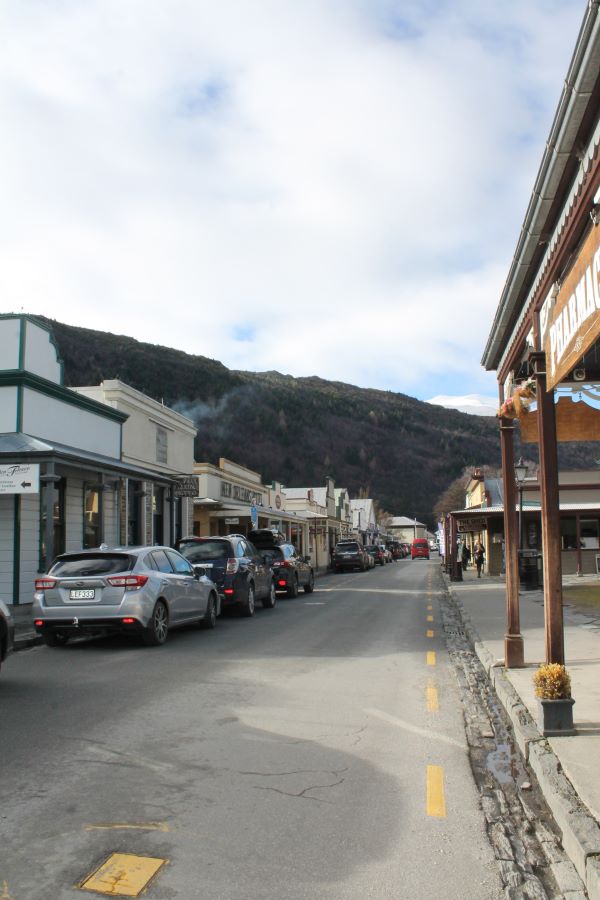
<point>431,657</point>
<point>432,697</point>
<point>123,875</point>
<point>436,801</point>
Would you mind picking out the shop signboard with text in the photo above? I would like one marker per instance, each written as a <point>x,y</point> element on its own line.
<point>20,479</point>
<point>572,325</point>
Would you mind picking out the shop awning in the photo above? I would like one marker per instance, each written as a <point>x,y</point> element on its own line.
<point>16,445</point>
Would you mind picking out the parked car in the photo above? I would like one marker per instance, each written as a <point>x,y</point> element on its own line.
<point>133,590</point>
<point>376,551</point>
<point>407,548</point>
<point>387,553</point>
<point>290,570</point>
<point>433,546</point>
<point>7,632</point>
<point>370,559</point>
<point>240,573</point>
<point>395,548</point>
<point>349,555</point>
<point>420,549</point>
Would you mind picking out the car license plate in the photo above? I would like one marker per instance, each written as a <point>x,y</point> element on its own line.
<point>87,594</point>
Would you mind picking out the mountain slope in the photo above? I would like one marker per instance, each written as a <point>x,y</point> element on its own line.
<point>401,451</point>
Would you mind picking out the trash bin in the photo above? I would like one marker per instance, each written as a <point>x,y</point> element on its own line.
<point>530,570</point>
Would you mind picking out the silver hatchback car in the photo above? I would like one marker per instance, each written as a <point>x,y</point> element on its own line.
<point>132,590</point>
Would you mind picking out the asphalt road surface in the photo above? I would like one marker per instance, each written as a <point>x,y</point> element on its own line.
<point>315,751</point>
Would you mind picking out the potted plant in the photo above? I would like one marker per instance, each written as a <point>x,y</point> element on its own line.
<point>555,705</point>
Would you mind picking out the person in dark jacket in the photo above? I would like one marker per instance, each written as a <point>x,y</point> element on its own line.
<point>479,553</point>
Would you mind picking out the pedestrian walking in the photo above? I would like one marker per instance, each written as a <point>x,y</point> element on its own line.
<point>466,556</point>
<point>479,553</point>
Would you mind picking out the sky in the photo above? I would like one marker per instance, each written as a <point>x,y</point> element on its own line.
<point>320,187</point>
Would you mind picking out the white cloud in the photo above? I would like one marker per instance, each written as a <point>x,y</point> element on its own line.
<point>319,187</point>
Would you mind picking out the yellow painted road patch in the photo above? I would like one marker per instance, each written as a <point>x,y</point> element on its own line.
<point>436,801</point>
<point>430,618</point>
<point>123,875</point>
<point>432,697</point>
<point>429,606</point>
<point>431,657</point>
<point>429,632</point>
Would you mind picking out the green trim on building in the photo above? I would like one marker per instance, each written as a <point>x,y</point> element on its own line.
<point>19,408</point>
<point>24,317</point>
<point>58,392</point>
<point>22,339</point>
<point>16,549</point>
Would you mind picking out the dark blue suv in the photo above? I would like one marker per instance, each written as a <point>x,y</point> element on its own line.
<point>240,573</point>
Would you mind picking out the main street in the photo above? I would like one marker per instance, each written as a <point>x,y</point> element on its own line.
<point>317,750</point>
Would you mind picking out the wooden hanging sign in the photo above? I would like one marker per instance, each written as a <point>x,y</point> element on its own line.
<point>573,323</point>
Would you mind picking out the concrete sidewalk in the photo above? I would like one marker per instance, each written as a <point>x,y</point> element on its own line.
<point>567,768</point>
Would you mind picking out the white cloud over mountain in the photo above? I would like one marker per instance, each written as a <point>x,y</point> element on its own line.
<point>312,187</point>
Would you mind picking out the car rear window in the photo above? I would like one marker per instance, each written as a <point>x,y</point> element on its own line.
<point>197,551</point>
<point>420,542</point>
<point>92,564</point>
<point>347,545</point>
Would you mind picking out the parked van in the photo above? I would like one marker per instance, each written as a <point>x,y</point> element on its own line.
<point>420,548</point>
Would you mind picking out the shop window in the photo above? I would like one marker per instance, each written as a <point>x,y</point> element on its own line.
<point>588,529</point>
<point>158,516</point>
<point>161,444</point>
<point>568,534</point>
<point>92,516</point>
<point>57,492</point>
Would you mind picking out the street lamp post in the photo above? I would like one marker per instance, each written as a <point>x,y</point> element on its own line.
<point>520,473</point>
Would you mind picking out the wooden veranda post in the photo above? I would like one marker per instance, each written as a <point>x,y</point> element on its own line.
<point>551,544</point>
<point>514,654</point>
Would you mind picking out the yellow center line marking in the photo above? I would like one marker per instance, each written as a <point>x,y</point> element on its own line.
<point>432,697</point>
<point>430,618</point>
<point>429,606</point>
<point>429,633</point>
<point>6,894</point>
<point>123,875</point>
<point>118,826</point>
<point>431,658</point>
<point>436,802</point>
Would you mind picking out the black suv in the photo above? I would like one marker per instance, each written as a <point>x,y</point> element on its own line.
<point>290,571</point>
<point>349,555</point>
<point>239,571</point>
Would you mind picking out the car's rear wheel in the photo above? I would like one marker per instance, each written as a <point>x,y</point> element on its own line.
<point>250,603</point>
<point>157,629</point>
<point>293,589</point>
<point>310,584</point>
<point>210,617</point>
<point>54,639</point>
<point>271,599</point>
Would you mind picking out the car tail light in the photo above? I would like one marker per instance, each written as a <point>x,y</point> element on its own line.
<point>38,622</point>
<point>129,582</point>
<point>281,582</point>
<point>228,591</point>
<point>232,566</point>
<point>45,584</point>
<point>128,621</point>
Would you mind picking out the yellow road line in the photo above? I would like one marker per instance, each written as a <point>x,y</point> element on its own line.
<point>431,658</point>
<point>430,618</point>
<point>429,633</point>
<point>429,606</point>
<point>432,697</point>
<point>436,801</point>
<point>134,826</point>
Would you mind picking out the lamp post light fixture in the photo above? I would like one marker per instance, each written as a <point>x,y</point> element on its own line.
<point>520,474</point>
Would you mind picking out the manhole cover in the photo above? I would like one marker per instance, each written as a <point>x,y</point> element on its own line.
<point>123,875</point>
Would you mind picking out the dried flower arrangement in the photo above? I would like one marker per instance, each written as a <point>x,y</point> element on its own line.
<point>552,682</point>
